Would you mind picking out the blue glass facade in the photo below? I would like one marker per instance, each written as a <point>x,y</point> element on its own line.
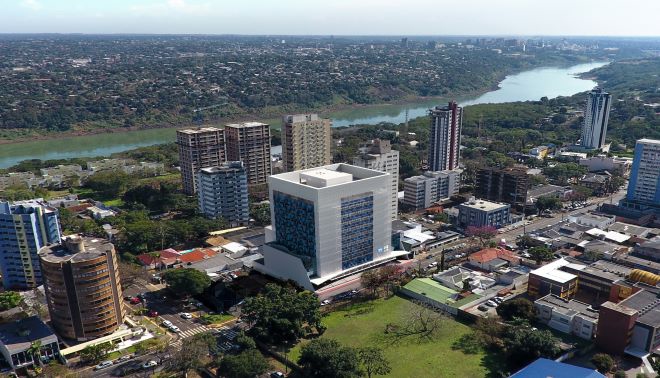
<point>24,229</point>
<point>357,219</point>
<point>294,227</point>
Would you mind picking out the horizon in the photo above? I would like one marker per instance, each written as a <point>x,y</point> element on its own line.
<point>561,18</point>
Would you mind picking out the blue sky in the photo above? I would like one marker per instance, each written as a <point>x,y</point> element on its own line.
<point>365,17</point>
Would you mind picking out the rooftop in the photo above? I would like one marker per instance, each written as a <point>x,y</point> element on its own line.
<point>75,248</point>
<point>484,205</point>
<point>328,175</point>
<point>199,130</point>
<point>246,125</point>
<point>437,292</point>
<point>570,307</point>
<point>224,167</point>
<point>551,271</point>
<point>553,369</point>
<point>647,303</point>
<point>15,340</point>
<point>490,254</point>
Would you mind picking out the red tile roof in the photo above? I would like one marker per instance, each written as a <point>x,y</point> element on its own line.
<point>198,254</point>
<point>167,256</point>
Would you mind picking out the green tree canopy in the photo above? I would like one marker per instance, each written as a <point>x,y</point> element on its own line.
<point>186,282</point>
<point>247,364</point>
<point>519,308</point>
<point>373,361</point>
<point>282,313</point>
<point>326,358</point>
<point>9,299</point>
<point>524,344</point>
<point>603,362</point>
<point>541,253</point>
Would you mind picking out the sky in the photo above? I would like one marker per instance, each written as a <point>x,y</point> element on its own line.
<point>334,17</point>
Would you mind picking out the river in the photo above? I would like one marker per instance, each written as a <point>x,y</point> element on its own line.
<point>528,85</point>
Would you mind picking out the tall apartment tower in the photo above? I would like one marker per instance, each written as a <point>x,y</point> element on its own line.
<point>199,148</point>
<point>445,138</point>
<point>223,193</point>
<point>249,142</point>
<point>596,116</point>
<point>507,185</point>
<point>644,184</point>
<point>327,222</point>
<point>306,141</point>
<point>83,289</point>
<point>381,157</point>
<point>25,227</point>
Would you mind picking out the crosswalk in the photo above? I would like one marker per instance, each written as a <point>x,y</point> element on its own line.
<point>188,333</point>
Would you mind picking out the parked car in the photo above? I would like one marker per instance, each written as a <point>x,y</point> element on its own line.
<point>482,308</point>
<point>277,374</point>
<point>149,364</point>
<point>128,297</point>
<point>167,323</point>
<point>103,365</point>
<point>490,303</point>
<point>325,302</point>
<point>153,313</point>
<point>186,315</point>
<point>123,358</point>
<point>135,300</point>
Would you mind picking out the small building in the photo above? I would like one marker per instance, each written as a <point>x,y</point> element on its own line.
<point>593,220</point>
<point>543,366</point>
<point>599,183</point>
<point>420,192</point>
<point>17,337</point>
<point>491,259</point>
<point>437,295</point>
<point>568,316</point>
<point>649,249</point>
<point>456,277</point>
<point>539,152</point>
<point>480,213</point>
<point>556,191</point>
<point>550,279</point>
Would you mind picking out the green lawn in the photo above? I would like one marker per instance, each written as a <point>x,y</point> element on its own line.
<point>216,318</point>
<point>364,324</point>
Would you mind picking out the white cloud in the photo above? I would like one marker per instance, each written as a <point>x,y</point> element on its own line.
<point>31,4</point>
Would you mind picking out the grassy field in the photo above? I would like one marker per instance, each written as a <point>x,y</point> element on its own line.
<point>364,324</point>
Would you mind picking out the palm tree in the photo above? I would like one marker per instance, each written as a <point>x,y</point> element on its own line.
<point>35,351</point>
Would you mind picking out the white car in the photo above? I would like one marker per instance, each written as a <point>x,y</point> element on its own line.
<point>491,304</point>
<point>174,328</point>
<point>167,323</point>
<point>186,315</point>
<point>103,365</point>
<point>325,302</point>
<point>149,364</point>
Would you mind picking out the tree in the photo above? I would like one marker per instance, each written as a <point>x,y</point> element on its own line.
<point>57,370</point>
<point>373,361</point>
<point>108,184</point>
<point>603,362</point>
<point>541,253</point>
<point>260,212</point>
<point>35,351</point>
<point>247,364</point>
<point>94,353</point>
<point>548,203</point>
<point>190,355</point>
<point>186,282</point>
<point>519,308</point>
<point>244,341</point>
<point>9,299</point>
<point>620,374</point>
<point>524,344</point>
<point>386,276</point>
<point>282,313</point>
<point>489,331</point>
<point>327,358</point>
<point>419,319</point>
<point>484,233</point>
<point>131,274</point>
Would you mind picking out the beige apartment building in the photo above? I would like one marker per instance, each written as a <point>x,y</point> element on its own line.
<point>306,141</point>
<point>199,148</point>
<point>249,142</point>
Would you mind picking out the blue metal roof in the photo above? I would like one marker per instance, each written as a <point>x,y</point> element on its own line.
<point>544,368</point>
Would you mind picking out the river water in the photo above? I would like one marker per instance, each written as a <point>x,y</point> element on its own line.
<point>528,85</point>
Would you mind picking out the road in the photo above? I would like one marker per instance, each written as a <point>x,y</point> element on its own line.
<point>541,222</point>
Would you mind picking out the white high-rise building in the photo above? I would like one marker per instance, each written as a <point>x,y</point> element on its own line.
<point>445,137</point>
<point>596,115</point>
<point>422,191</point>
<point>644,184</point>
<point>327,223</point>
<point>381,157</point>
